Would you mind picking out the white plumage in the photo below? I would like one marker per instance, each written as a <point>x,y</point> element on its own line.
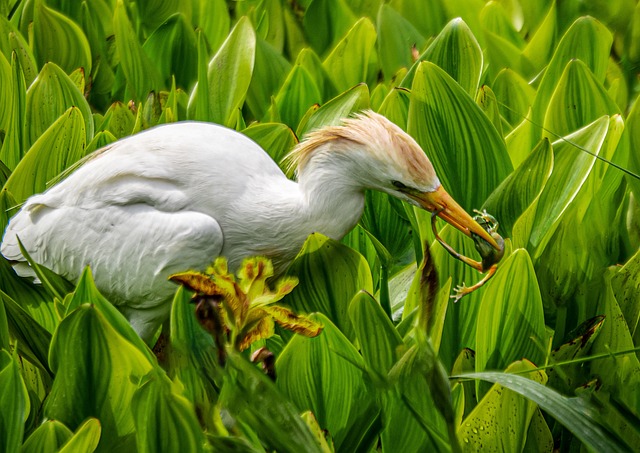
<point>174,197</point>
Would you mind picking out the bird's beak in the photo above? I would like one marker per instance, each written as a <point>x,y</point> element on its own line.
<point>440,201</point>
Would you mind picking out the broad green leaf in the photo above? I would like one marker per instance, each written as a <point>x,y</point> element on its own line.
<point>12,146</point>
<point>85,438</point>
<point>213,18</point>
<point>99,141</point>
<point>97,371</point>
<point>324,374</point>
<point>12,41</point>
<point>61,145</point>
<point>173,46</point>
<point>119,120</point>
<point>48,97</point>
<point>501,419</point>
<point>60,40</point>
<point>395,107</point>
<point>309,60</point>
<point>254,399</point>
<point>511,319</point>
<point>348,62</point>
<point>378,338</point>
<point>521,140</point>
<point>49,437</point>
<point>6,92</point>
<point>269,73</point>
<point>165,420</point>
<point>298,92</point>
<point>86,292</point>
<point>330,114</point>
<point>229,75</point>
<point>570,170</point>
<point>139,70</point>
<point>578,100</point>
<point>381,218</point>
<point>539,436</point>
<point>427,24</point>
<point>488,102</point>
<point>541,45</point>
<point>5,339</point>
<point>156,12</point>
<point>33,339</point>
<point>56,285</point>
<point>510,199</point>
<point>567,377</point>
<point>575,413</point>
<point>14,403</point>
<point>325,22</point>
<point>275,138</point>
<point>467,153</point>
<point>515,96</point>
<point>397,38</point>
<point>571,47</point>
<point>199,101</point>
<point>625,283</point>
<point>457,52</point>
<point>495,19</point>
<point>330,275</point>
<point>620,376</point>
<point>193,357</point>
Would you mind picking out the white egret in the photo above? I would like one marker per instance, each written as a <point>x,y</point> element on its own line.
<point>176,196</point>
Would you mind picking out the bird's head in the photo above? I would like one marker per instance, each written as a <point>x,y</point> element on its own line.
<point>389,160</point>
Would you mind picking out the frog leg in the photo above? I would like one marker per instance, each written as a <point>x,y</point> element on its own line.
<point>462,290</point>
<point>465,259</point>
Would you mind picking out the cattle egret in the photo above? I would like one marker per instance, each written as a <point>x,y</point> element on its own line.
<point>176,196</point>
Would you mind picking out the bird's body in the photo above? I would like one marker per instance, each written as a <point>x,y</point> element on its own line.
<point>175,197</point>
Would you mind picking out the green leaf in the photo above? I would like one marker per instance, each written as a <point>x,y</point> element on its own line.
<point>511,319</point>
<point>324,375</point>
<point>573,413</point>
<point>229,74</point>
<point>397,38</point>
<point>60,40</point>
<point>139,70</point>
<point>119,120</point>
<point>14,403</point>
<point>50,95</point>
<point>467,153</point>
<point>395,107</point>
<point>330,275</point>
<point>571,47</point>
<point>325,22</point>
<point>49,437</point>
<point>541,45</point>
<point>457,52</point>
<point>85,438</point>
<point>269,73</point>
<point>165,420</point>
<point>578,100</point>
<point>213,18</point>
<point>338,108</point>
<point>253,398</point>
<point>173,45</point>
<point>275,138</point>
<point>348,62</point>
<point>570,171</point>
<point>515,96</point>
<point>510,199</point>
<point>12,147</point>
<point>298,92</point>
<point>58,147</point>
<point>309,60</point>
<point>97,371</point>
<point>378,338</point>
<point>501,419</point>
<point>12,41</point>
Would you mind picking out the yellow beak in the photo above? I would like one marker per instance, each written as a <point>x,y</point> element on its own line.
<point>447,209</point>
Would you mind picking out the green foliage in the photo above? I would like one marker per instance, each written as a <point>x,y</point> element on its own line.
<point>522,107</point>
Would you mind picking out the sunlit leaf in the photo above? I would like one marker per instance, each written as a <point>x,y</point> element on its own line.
<point>48,437</point>
<point>318,379</point>
<point>61,145</point>
<point>60,40</point>
<point>85,438</point>
<point>330,275</point>
<point>14,403</point>
<point>325,22</point>
<point>348,62</point>
<point>275,138</point>
<point>396,39</point>
<point>469,156</point>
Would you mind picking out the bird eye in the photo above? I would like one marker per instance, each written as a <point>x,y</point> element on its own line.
<point>399,185</point>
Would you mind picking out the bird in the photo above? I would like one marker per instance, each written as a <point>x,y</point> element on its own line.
<point>176,196</point>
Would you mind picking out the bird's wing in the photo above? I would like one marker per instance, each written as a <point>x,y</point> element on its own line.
<point>131,249</point>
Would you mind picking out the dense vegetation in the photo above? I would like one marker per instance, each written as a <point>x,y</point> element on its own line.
<point>526,109</point>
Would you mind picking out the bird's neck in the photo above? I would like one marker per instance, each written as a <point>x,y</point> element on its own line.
<point>333,195</point>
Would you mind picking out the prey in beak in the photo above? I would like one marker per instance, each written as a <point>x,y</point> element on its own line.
<point>482,229</point>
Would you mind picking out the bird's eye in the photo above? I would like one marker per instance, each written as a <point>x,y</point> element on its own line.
<point>399,185</point>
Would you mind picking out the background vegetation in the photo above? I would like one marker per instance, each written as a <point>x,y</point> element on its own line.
<point>515,102</point>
